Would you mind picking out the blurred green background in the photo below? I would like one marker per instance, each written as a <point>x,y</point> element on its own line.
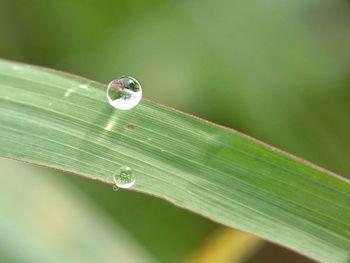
<point>276,70</point>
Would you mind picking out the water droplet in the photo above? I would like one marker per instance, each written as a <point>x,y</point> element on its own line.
<point>124,178</point>
<point>124,93</point>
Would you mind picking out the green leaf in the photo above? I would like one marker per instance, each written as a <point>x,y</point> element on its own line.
<point>65,122</point>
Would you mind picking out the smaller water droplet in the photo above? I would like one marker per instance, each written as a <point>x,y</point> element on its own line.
<point>124,93</point>
<point>124,177</point>
<point>149,139</point>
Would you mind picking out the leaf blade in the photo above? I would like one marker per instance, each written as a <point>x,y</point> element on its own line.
<point>65,122</point>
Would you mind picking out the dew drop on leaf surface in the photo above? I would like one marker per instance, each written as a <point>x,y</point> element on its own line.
<point>124,93</point>
<point>124,178</point>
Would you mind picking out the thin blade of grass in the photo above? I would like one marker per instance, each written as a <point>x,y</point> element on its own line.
<point>65,122</point>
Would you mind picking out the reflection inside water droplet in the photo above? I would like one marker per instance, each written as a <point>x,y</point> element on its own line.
<point>124,93</point>
<point>124,178</point>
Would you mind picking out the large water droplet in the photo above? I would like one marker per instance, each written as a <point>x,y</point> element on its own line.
<point>124,93</point>
<point>124,177</point>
